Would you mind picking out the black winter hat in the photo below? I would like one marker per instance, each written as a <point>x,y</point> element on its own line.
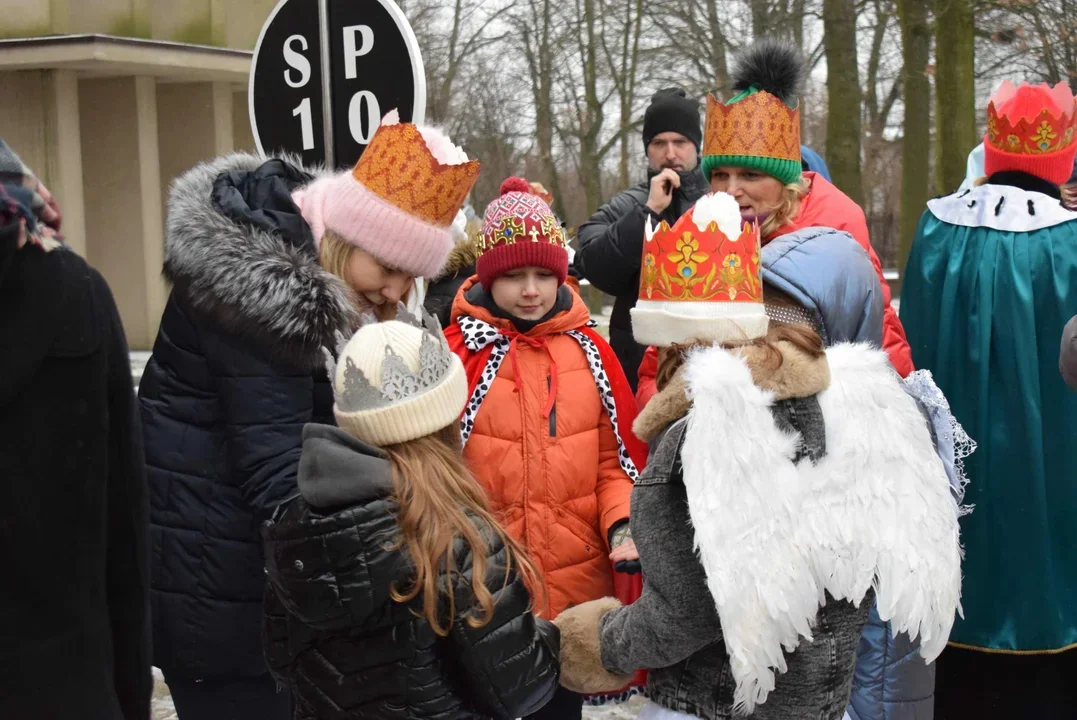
<point>671,110</point>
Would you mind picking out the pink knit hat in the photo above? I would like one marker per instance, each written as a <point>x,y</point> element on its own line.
<point>399,202</point>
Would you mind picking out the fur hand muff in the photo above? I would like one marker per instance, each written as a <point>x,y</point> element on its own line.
<point>581,651</point>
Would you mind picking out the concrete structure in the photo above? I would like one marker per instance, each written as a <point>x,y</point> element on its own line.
<point>109,100</point>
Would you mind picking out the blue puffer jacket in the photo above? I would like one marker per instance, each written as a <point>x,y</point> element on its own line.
<point>235,375</point>
<point>892,682</point>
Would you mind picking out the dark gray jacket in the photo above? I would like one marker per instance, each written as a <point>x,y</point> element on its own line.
<point>674,629</point>
<point>611,249</point>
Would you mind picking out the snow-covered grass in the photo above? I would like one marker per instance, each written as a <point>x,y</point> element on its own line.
<point>161,707</point>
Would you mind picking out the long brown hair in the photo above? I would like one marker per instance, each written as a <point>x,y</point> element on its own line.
<point>802,337</point>
<point>440,502</point>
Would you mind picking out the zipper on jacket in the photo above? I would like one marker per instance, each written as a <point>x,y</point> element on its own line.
<point>553,410</point>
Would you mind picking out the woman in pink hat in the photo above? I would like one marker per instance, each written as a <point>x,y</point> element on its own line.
<point>267,262</point>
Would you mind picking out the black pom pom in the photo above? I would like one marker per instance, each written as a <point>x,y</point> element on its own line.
<point>771,65</point>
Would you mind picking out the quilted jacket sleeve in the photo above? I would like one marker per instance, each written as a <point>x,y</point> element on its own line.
<point>614,487</point>
<point>275,636</point>
<point>264,406</point>
<point>894,341</point>
<point>611,243</point>
<point>510,665</point>
<point>892,682</point>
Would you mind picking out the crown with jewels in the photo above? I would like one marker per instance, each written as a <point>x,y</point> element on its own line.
<point>701,280</point>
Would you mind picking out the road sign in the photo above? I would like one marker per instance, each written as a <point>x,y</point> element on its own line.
<point>325,72</point>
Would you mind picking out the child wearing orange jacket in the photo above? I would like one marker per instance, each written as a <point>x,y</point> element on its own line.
<point>547,428</point>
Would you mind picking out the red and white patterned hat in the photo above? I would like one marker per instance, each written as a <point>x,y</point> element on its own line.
<point>519,230</point>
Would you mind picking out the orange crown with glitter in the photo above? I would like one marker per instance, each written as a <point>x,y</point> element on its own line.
<point>756,125</point>
<point>701,280</point>
<point>400,168</point>
<point>1031,129</point>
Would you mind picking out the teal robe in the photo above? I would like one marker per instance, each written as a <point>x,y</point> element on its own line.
<point>990,284</point>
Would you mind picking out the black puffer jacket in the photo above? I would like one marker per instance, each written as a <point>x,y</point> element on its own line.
<point>235,374</point>
<point>611,249</point>
<point>346,648</point>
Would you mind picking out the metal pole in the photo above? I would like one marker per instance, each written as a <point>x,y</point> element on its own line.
<point>327,84</point>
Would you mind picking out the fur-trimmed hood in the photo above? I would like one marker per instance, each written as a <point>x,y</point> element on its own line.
<point>799,375</point>
<point>250,278</point>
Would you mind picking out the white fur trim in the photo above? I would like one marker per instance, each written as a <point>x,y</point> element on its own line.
<point>773,536</point>
<point>899,528</point>
<point>667,323</point>
<point>742,489</point>
<point>976,208</point>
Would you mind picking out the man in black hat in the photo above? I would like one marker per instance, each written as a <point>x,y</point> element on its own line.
<point>611,242</point>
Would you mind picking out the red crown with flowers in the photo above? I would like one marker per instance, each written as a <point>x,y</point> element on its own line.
<point>701,280</point>
<point>1033,129</point>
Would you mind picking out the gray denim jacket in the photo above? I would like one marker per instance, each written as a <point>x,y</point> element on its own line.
<point>673,628</point>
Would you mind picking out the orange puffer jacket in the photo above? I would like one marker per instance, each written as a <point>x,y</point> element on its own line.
<point>553,472</point>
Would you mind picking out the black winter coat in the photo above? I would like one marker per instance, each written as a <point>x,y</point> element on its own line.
<point>346,648</point>
<point>235,374</point>
<point>611,249</point>
<point>74,615</point>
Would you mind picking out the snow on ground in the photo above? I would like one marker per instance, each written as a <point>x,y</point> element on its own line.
<point>161,706</point>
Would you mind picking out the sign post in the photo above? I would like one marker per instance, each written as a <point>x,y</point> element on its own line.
<point>353,60</point>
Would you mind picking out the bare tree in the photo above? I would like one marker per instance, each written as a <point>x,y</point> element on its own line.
<point>843,97</point>
<point>955,91</point>
<point>915,163</point>
<point>536,33</point>
<point>623,61</point>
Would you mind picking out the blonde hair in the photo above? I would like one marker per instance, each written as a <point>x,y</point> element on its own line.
<point>787,208</point>
<point>334,254</point>
<point>442,502</point>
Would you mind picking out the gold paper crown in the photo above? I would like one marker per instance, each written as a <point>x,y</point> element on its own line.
<point>759,125</point>
<point>398,166</point>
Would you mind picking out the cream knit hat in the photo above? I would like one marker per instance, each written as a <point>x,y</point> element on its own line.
<point>397,381</point>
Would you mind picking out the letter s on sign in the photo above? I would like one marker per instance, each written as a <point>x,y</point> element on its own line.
<point>296,61</point>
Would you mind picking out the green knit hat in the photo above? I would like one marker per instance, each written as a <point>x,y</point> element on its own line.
<point>759,128</point>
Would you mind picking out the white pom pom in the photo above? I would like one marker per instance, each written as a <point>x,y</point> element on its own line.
<point>720,208</point>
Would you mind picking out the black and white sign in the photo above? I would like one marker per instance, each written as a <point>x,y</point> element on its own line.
<point>373,66</point>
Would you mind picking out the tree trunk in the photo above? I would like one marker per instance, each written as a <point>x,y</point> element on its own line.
<point>843,97</point>
<point>915,159</point>
<point>955,92</point>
